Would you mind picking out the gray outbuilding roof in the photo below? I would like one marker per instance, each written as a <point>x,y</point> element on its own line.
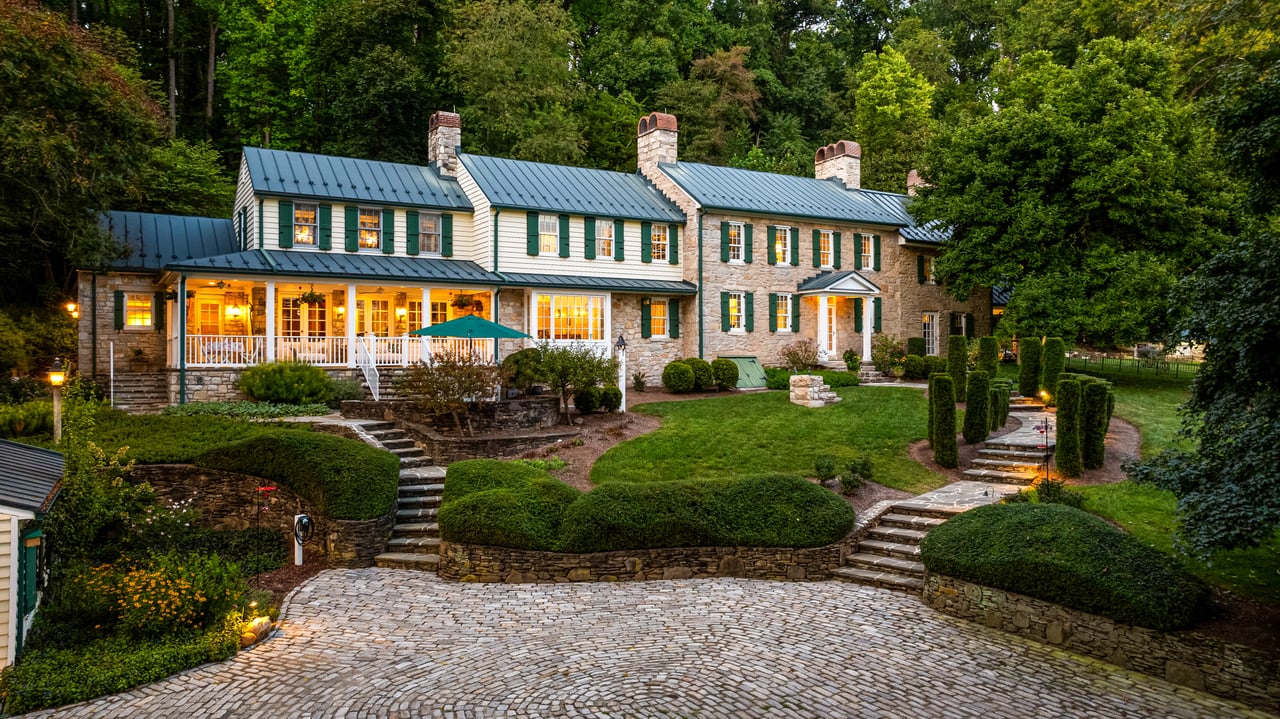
<point>302,174</point>
<point>29,476</point>
<point>152,241</point>
<point>341,265</point>
<point>608,284</point>
<point>537,186</point>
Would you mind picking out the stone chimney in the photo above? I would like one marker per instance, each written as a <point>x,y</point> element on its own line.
<point>841,160</point>
<point>444,135</point>
<point>914,182</point>
<point>656,137</point>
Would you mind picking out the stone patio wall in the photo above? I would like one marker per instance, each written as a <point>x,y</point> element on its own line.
<point>509,416</point>
<point>1187,658</point>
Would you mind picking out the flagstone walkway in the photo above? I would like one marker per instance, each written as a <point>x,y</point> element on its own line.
<point>387,643</point>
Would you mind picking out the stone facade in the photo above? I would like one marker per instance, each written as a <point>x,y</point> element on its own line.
<point>97,330</point>
<point>209,384</point>
<point>508,416</point>
<point>474,563</point>
<point>1186,658</point>
<point>808,390</point>
<point>228,500</point>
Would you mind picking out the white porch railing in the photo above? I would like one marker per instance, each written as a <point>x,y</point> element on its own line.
<point>243,350</point>
<point>315,350</point>
<point>364,360</point>
<point>224,350</point>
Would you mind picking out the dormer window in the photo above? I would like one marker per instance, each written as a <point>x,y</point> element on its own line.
<point>305,225</point>
<point>429,229</point>
<point>370,229</point>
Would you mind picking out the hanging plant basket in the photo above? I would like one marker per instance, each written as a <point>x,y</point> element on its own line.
<point>311,297</point>
<point>462,302</point>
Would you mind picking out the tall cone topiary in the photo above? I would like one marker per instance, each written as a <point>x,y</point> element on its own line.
<point>958,363</point>
<point>976,419</point>
<point>993,409</point>
<point>1094,425</point>
<point>1067,453</point>
<point>989,356</point>
<point>945,452</point>
<point>933,402</point>
<point>1028,366</point>
<point>1053,360</point>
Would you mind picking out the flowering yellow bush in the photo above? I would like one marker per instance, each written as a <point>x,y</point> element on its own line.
<point>169,594</point>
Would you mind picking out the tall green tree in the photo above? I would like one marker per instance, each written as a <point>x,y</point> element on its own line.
<point>716,107</point>
<point>893,119</point>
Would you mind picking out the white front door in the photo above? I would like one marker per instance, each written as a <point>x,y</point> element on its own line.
<point>832,339</point>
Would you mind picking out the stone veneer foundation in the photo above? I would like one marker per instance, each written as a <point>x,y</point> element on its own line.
<point>1194,660</point>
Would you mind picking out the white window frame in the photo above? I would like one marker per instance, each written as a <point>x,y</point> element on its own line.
<point>656,330</point>
<point>133,310</point>
<point>737,312</point>
<point>658,247</point>
<point>781,234</point>
<point>737,235</point>
<point>305,233</point>
<point>929,277</point>
<point>782,312</point>
<point>826,245</point>
<point>929,331</point>
<point>604,238</point>
<point>439,312</point>
<point>597,317</point>
<point>430,235</point>
<point>868,253</point>
<point>369,233</point>
<point>548,234</point>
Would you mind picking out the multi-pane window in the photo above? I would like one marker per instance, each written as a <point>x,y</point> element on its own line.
<point>866,253</point>
<point>429,233</point>
<point>570,317</point>
<point>138,311</point>
<point>929,331</point>
<point>439,312</point>
<point>604,238</point>
<point>299,320</point>
<point>415,314</point>
<point>370,229</point>
<point>826,241</point>
<point>210,320</point>
<point>304,224</point>
<point>928,270</point>
<point>659,244</point>
<point>548,237</point>
<point>735,241</point>
<point>782,312</point>
<point>737,311</point>
<point>781,245</point>
<point>658,318</point>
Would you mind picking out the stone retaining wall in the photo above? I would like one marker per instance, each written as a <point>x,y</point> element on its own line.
<point>228,500</point>
<point>475,563</point>
<point>509,416</point>
<point>1194,660</point>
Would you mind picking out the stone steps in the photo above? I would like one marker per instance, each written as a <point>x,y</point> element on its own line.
<point>417,514</point>
<point>892,549</point>
<point>1012,454</point>
<point>1000,477</point>
<point>1008,464</point>
<point>408,560</point>
<point>418,501</point>
<point>909,521</point>
<point>896,534</point>
<point>874,578</point>
<point>413,544</point>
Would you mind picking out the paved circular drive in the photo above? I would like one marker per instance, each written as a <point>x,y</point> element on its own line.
<point>390,643</point>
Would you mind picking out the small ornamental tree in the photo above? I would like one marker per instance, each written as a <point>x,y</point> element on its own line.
<point>1067,452</point>
<point>958,363</point>
<point>945,452</point>
<point>989,356</point>
<point>449,385</point>
<point>1094,425</point>
<point>976,418</point>
<point>800,355</point>
<point>1053,361</point>
<point>1028,367</point>
<point>569,368</point>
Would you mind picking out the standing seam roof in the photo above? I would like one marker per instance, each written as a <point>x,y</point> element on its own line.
<point>152,241</point>
<point>302,174</point>
<point>29,476</point>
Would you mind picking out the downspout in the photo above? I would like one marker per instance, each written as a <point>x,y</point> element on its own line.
<point>182,339</point>
<point>93,321</point>
<point>496,343</point>
<point>701,310</point>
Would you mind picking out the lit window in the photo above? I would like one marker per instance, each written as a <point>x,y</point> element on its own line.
<point>370,229</point>
<point>137,311</point>
<point>782,312</point>
<point>737,310</point>
<point>929,331</point>
<point>304,224</point>
<point>415,314</point>
<point>439,312</point>
<point>604,238</point>
<point>295,322</point>
<point>866,253</point>
<point>735,241</point>
<point>658,318</point>
<point>928,270</point>
<point>429,233</point>
<point>548,239</point>
<point>782,245</point>
<point>659,244</point>
<point>825,242</point>
<point>570,317</point>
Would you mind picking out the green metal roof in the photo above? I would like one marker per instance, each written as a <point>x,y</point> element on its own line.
<point>151,241</point>
<point>1000,295</point>
<point>29,476</point>
<point>610,284</point>
<point>767,193</point>
<point>357,266</point>
<point>537,186</point>
<point>932,233</point>
<point>301,174</point>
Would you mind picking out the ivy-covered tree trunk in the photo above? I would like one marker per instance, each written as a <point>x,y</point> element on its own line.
<point>1028,366</point>
<point>1094,420</point>
<point>1053,360</point>
<point>1067,453</point>
<point>945,452</point>
<point>958,363</point>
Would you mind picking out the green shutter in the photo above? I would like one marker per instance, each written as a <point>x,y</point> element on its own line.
<point>795,246</point>
<point>352,228</point>
<point>119,314</point>
<point>564,235</point>
<point>771,250</point>
<point>388,232</point>
<point>446,235</point>
<point>618,229</point>
<point>411,228</point>
<point>242,232</point>
<point>773,312</point>
<point>724,311</point>
<point>724,241</point>
<point>920,269</point>
<point>746,243</point>
<point>857,251</point>
<point>589,238</point>
<point>875,252</point>
<point>968,325</point>
<point>835,250</point>
<point>326,227</point>
<point>795,313</point>
<point>749,321</point>
<point>533,234</point>
<point>157,311</point>
<point>673,318</point>
<point>673,244</point>
<point>875,308</point>
<point>857,314</point>
<point>817,248</point>
<point>285,217</point>
<point>646,317</point>
<point>646,242</point>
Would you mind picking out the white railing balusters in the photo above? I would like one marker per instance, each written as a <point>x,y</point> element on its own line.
<point>365,361</point>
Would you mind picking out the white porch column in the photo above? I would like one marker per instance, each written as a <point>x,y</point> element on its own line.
<point>271,321</point>
<point>868,326</point>
<point>351,325</point>
<point>823,330</point>
<point>424,343</point>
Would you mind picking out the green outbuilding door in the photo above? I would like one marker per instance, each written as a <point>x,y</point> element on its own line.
<point>28,551</point>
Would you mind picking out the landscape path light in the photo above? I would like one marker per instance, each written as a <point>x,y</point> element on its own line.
<point>57,376</point>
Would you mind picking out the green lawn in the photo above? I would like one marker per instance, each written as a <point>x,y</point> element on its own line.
<point>763,432</point>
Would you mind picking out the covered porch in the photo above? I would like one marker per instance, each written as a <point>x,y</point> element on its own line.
<point>837,296</point>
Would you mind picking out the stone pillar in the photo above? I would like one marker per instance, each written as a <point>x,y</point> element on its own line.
<point>444,135</point>
<point>657,136</point>
<point>841,161</point>
<point>868,326</point>
<point>271,321</point>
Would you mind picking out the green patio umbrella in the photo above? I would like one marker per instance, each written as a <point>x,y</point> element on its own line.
<point>472,327</point>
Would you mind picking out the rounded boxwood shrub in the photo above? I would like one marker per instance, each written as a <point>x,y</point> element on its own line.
<point>704,378</point>
<point>1069,557</point>
<point>678,377</point>
<point>1029,367</point>
<point>916,346</point>
<point>610,399</point>
<point>587,400</point>
<point>913,367</point>
<point>286,383</point>
<point>934,364</point>
<point>726,373</point>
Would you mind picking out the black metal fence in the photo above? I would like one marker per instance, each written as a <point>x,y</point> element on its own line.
<point>1125,365</point>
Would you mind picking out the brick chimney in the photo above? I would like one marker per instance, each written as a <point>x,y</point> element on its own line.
<point>444,135</point>
<point>656,137</point>
<point>841,160</point>
<point>914,182</point>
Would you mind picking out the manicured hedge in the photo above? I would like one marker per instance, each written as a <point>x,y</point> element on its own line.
<point>913,367</point>
<point>989,355</point>
<point>522,517</point>
<point>678,377</point>
<point>934,364</point>
<point>1053,361</point>
<point>977,412</point>
<point>162,439</point>
<point>1029,366</point>
<point>1094,422</point>
<point>1069,557</point>
<point>704,378</point>
<point>343,478</point>
<point>479,475</point>
<point>942,408</point>
<point>916,346</point>
<point>1067,455</point>
<point>958,364</point>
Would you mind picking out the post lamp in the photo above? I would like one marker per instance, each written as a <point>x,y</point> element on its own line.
<point>57,376</point>
<point>73,309</point>
<point>621,346</point>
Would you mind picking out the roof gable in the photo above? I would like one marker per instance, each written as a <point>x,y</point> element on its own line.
<point>847,282</point>
<point>302,174</point>
<point>151,241</point>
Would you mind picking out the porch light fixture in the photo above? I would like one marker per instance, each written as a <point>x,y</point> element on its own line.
<point>401,312</point>
<point>57,376</point>
<point>621,344</point>
<point>234,311</point>
<point>340,309</point>
<point>73,309</point>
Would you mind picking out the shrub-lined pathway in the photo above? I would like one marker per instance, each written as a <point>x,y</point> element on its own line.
<point>387,643</point>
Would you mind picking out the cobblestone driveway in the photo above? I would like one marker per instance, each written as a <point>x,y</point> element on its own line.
<point>388,643</point>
